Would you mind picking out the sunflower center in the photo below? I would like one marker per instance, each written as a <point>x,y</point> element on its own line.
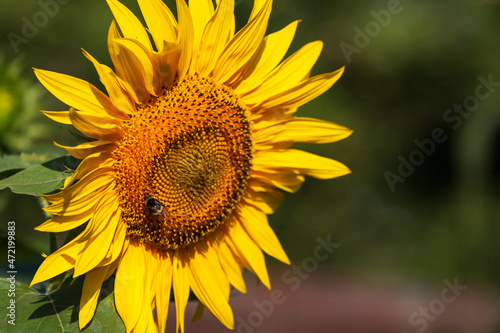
<point>183,163</point>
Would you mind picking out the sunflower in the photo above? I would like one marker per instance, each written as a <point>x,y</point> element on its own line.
<point>191,143</point>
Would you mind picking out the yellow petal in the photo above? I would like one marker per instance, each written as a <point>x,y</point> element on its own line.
<point>220,279</point>
<point>132,79</point>
<point>267,201</point>
<point>87,184</point>
<point>241,243</point>
<point>271,52</point>
<point>313,130</point>
<point>77,198</point>
<point>268,117</point>
<point>65,223</point>
<point>164,286</point>
<point>99,234</point>
<point>201,12</point>
<point>239,52</point>
<point>105,210</point>
<point>132,292</point>
<point>130,25</point>
<point>100,128</point>
<point>181,286</point>
<point>77,207</point>
<point>115,250</point>
<point>111,269</point>
<point>286,180</point>
<point>302,130</point>
<point>230,20</point>
<point>292,71</point>
<point>304,92</point>
<point>215,36</point>
<point>301,161</point>
<point>185,37</point>
<point>63,260</point>
<point>257,185</point>
<point>114,34</point>
<point>75,92</point>
<point>138,57</point>
<point>89,164</point>
<point>88,148</point>
<point>90,294</point>
<point>204,285</point>
<point>59,116</point>
<point>198,313</point>
<point>167,62</point>
<point>161,22</point>
<point>118,96</point>
<point>255,223</point>
<point>147,322</point>
<point>232,267</point>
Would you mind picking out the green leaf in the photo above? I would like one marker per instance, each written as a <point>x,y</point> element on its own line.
<point>11,164</point>
<point>57,311</point>
<point>43,178</point>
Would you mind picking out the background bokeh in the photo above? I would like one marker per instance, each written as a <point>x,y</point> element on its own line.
<point>399,241</point>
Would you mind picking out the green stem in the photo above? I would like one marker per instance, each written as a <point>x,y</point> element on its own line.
<point>52,242</point>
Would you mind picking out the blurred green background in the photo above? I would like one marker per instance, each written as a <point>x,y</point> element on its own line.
<point>400,80</point>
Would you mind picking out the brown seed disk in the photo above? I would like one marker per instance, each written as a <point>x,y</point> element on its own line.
<point>183,163</point>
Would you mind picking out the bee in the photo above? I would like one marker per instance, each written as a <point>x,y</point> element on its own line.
<point>155,207</point>
<point>155,210</point>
